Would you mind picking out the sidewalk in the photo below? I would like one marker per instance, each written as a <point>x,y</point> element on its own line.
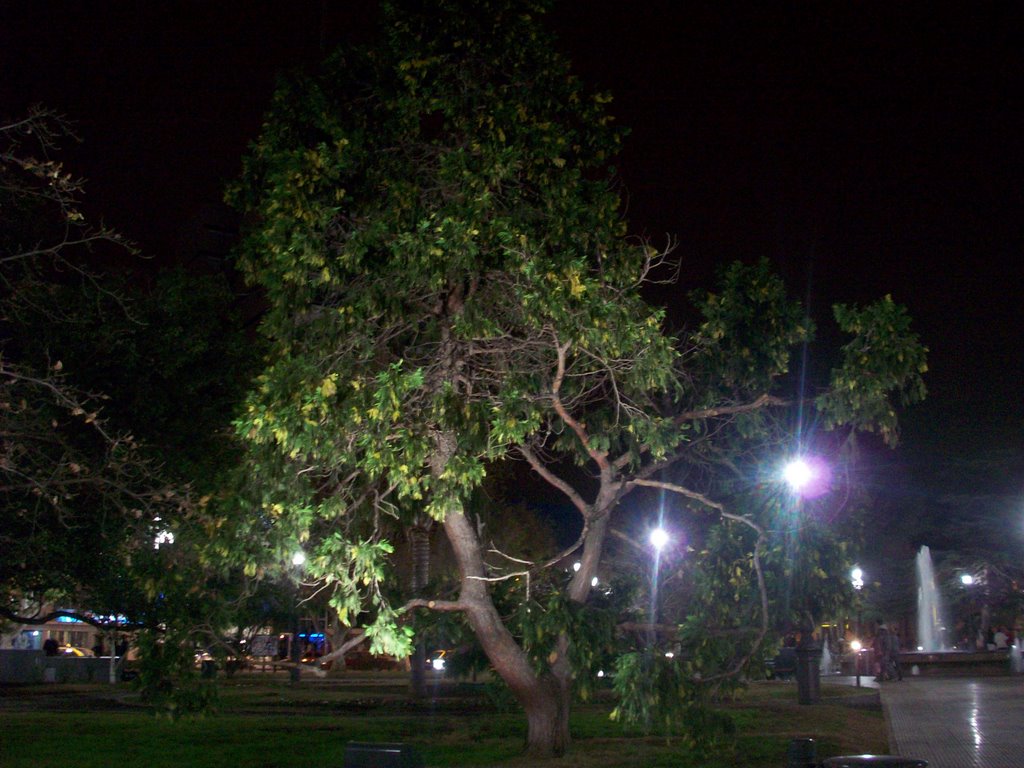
<point>957,722</point>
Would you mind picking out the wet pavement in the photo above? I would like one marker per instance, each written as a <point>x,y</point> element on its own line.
<point>957,722</point>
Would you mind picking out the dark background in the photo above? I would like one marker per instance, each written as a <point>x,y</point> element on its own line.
<point>866,148</point>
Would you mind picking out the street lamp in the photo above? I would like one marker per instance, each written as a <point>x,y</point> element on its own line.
<point>798,473</point>
<point>659,538</point>
<point>857,580</point>
<point>856,647</point>
<point>857,577</point>
<point>807,476</point>
<point>295,672</point>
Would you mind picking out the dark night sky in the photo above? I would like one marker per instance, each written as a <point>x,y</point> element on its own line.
<point>867,148</point>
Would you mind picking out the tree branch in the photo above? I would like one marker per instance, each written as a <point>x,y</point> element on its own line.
<point>763,401</point>
<point>85,618</point>
<point>738,666</point>
<point>554,480</point>
<point>444,606</point>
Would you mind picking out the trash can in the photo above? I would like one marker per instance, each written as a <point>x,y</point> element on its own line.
<point>860,761</point>
<point>801,754</point>
<point>808,674</point>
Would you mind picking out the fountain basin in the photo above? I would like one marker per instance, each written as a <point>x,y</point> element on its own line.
<point>957,663</point>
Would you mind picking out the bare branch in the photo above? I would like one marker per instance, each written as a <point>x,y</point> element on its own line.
<point>764,401</point>
<point>554,480</point>
<point>444,606</point>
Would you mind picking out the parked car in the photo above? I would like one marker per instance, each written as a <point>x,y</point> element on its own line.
<point>70,650</point>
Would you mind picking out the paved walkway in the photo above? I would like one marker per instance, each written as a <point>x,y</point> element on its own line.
<point>957,722</point>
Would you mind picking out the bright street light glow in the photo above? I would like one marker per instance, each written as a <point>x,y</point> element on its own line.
<point>798,473</point>
<point>857,577</point>
<point>576,566</point>
<point>659,538</point>
<point>299,558</point>
<point>966,579</point>
<point>855,645</point>
<point>807,476</point>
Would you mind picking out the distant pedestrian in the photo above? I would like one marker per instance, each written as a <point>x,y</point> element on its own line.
<point>880,646</point>
<point>1000,639</point>
<point>893,661</point>
<point>887,654</point>
<point>50,647</point>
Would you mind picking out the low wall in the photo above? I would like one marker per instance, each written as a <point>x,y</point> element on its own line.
<point>953,663</point>
<point>21,666</point>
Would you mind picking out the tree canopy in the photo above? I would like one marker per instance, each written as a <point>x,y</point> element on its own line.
<point>436,225</point>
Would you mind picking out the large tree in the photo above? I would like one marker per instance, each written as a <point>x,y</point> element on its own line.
<point>435,224</point>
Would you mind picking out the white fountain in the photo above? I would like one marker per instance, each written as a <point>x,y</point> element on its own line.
<point>931,624</point>
<point>826,659</point>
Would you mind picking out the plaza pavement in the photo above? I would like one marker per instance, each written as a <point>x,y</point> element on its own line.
<point>957,722</point>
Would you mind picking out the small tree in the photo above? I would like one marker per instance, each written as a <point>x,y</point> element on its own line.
<point>73,487</point>
<point>115,407</point>
<point>434,223</point>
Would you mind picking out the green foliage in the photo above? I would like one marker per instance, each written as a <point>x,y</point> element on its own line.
<point>749,330</point>
<point>725,615</point>
<point>168,677</point>
<point>424,260</point>
<point>883,361</point>
<point>658,694</point>
<point>433,223</point>
<point>808,573</point>
<point>542,624</point>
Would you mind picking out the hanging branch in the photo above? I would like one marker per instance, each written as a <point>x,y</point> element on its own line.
<point>700,498</point>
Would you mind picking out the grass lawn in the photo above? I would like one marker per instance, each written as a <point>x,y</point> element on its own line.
<point>270,724</point>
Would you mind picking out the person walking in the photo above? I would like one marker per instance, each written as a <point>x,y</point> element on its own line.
<point>881,648</point>
<point>893,662</point>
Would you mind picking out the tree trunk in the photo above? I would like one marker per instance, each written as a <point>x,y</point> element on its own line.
<point>547,720</point>
<point>419,541</point>
<point>543,698</point>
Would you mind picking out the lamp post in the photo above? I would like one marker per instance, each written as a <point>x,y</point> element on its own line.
<point>295,671</point>
<point>969,582</point>
<point>857,580</point>
<point>807,478</point>
<point>856,647</point>
<point>658,538</point>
